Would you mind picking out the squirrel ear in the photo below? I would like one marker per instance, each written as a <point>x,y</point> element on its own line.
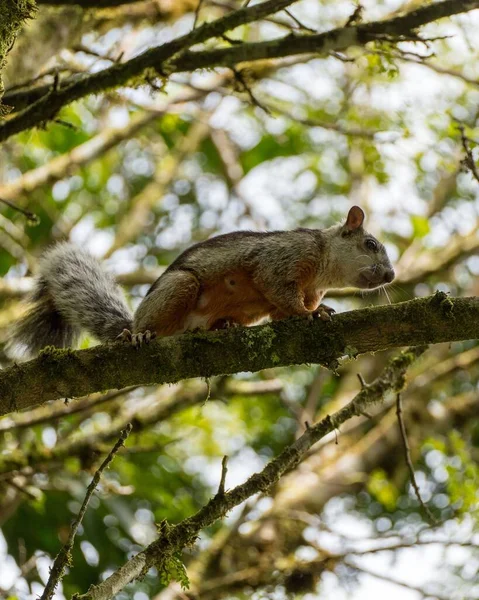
<point>355,218</point>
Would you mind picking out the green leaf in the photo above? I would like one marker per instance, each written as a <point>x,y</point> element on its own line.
<point>174,569</point>
<point>420,225</point>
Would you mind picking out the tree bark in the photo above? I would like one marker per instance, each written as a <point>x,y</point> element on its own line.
<point>12,17</point>
<point>60,373</point>
<point>175,56</point>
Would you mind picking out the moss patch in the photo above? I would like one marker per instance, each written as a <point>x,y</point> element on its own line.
<point>13,13</point>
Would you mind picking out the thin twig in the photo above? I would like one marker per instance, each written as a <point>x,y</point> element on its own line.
<point>197,13</point>
<point>32,218</point>
<point>66,124</point>
<point>50,413</point>
<point>298,22</point>
<point>407,454</point>
<point>231,41</point>
<point>386,577</point>
<point>241,79</point>
<point>224,470</point>
<point>468,160</point>
<point>358,132</point>
<point>404,545</point>
<point>208,390</point>
<point>63,557</point>
<point>30,82</point>
<point>21,489</point>
<point>356,17</point>
<point>362,381</point>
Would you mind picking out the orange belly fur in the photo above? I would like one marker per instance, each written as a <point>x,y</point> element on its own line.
<point>233,298</point>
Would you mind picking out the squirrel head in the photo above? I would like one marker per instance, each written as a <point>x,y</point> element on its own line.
<point>364,260</point>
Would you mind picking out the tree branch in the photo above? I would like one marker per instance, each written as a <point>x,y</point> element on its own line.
<point>173,539</point>
<point>12,17</point>
<point>468,162</point>
<point>407,455</point>
<point>47,101</point>
<point>155,408</point>
<point>88,3</point>
<point>64,557</point>
<point>66,373</point>
<point>173,56</point>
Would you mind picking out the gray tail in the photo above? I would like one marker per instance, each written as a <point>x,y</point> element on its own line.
<point>72,293</point>
<point>42,325</point>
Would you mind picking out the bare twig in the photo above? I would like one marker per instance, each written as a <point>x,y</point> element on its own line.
<point>30,82</point>
<point>208,390</point>
<point>63,557</point>
<point>356,16</point>
<point>361,380</point>
<point>66,124</point>
<point>197,13</point>
<point>246,88</point>
<point>32,218</point>
<point>298,22</point>
<point>353,131</point>
<point>403,545</point>
<point>50,414</point>
<point>224,470</point>
<point>422,591</point>
<point>468,161</point>
<point>421,60</point>
<point>407,454</point>
<point>21,489</point>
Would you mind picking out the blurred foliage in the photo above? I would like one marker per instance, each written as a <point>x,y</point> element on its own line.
<point>369,127</point>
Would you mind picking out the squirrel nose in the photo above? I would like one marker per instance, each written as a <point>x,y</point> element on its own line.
<point>389,275</point>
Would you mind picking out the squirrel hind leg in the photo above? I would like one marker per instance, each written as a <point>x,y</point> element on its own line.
<point>167,305</point>
<point>225,323</point>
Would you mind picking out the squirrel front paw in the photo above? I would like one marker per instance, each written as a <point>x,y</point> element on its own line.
<point>323,312</point>
<point>136,339</point>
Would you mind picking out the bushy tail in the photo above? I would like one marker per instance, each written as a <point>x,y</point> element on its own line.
<point>71,293</point>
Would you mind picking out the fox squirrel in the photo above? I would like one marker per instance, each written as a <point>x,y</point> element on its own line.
<point>232,279</point>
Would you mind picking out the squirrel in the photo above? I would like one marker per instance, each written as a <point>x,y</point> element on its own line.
<point>233,279</point>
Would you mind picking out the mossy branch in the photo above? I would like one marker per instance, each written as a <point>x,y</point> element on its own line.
<point>67,373</point>
<point>147,65</point>
<point>175,56</point>
<point>172,539</point>
<point>88,3</point>
<point>12,17</point>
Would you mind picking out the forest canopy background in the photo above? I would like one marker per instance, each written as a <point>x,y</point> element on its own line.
<point>135,129</point>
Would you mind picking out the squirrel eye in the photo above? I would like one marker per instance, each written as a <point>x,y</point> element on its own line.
<point>372,245</point>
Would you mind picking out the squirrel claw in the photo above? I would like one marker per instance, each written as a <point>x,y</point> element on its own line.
<point>143,337</point>
<point>323,312</point>
<point>136,339</point>
<point>224,324</point>
<point>125,336</point>
<point>149,335</point>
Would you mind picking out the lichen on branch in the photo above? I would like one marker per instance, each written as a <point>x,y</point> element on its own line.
<point>68,374</point>
<point>13,14</point>
<point>176,56</point>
